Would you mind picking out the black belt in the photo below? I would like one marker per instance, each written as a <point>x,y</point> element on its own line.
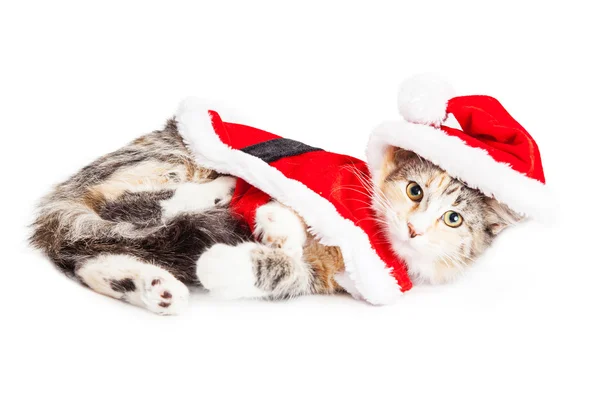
<point>276,149</point>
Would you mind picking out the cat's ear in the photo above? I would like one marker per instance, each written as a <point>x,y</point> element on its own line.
<point>386,167</point>
<point>499,216</point>
<point>400,155</point>
<point>392,158</point>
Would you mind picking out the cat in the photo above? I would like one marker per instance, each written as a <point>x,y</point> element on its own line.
<point>145,222</point>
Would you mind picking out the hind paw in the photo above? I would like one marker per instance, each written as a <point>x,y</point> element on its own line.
<point>164,295</point>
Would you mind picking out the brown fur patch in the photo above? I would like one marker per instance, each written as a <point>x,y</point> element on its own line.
<point>94,199</point>
<point>429,181</point>
<point>326,261</point>
<point>190,169</point>
<point>143,140</point>
<point>444,180</point>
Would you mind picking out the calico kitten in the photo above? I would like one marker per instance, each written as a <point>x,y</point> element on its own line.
<point>143,223</point>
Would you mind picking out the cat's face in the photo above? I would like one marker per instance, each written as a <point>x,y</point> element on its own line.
<point>435,223</point>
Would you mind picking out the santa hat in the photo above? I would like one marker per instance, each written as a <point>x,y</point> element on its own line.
<point>490,151</point>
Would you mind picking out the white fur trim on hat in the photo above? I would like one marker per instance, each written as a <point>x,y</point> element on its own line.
<point>472,165</point>
<point>423,99</point>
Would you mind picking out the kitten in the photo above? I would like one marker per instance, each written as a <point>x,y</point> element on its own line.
<point>145,222</point>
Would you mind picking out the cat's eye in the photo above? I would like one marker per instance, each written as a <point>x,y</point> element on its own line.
<point>453,219</point>
<point>414,191</point>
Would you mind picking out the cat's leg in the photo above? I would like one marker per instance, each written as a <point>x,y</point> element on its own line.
<point>253,270</point>
<point>142,284</point>
<point>280,227</point>
<point>275,269</point>
<point>191,197</point>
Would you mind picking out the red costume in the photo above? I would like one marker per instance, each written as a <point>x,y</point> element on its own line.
<point>490,152</point>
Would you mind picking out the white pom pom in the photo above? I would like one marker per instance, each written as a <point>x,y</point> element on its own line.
<point>423,98</point>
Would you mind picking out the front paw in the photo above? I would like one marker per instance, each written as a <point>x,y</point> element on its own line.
<point>228,271</point>
<point>191,197</point>
<point>222,189</point>
<point>278,226</point>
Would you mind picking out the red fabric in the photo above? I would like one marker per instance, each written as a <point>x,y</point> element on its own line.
<point>336,177</point>
<point>487,125</point>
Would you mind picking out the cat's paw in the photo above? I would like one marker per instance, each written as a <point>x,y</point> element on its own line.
<point>278,226</point>
<point>228,271</point>
<point>222,189</point>
<point>164,295</point>
<point>196,197</point>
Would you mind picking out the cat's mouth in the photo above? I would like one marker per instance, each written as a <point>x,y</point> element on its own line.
<point>402,244</point>
<point>407,247</point>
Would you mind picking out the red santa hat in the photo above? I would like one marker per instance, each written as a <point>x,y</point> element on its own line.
<point>489,150</point>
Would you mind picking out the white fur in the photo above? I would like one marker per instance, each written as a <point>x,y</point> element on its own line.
<point>228,272</point>
<point>278,225</point>
<point>97,273</point>
<point>472,165</point>
<point>423,220</point>
<point>420,254</point>
<point>367,273</point>
<point>196,197</point>
<point>423,99</point>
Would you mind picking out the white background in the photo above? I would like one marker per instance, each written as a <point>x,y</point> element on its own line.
<point>78,80</point>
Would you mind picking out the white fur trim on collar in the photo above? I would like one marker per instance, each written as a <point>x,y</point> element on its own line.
<point>365,273</point>
<point>472,165</point>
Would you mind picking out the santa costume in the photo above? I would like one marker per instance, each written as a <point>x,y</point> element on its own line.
<point>488,151</point>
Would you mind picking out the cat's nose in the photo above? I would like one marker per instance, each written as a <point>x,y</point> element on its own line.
<point>411,231</point>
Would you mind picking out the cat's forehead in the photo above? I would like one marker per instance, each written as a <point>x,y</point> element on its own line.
<point>425,173</point>
<point>451,191</point>
<point>410,166</point>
